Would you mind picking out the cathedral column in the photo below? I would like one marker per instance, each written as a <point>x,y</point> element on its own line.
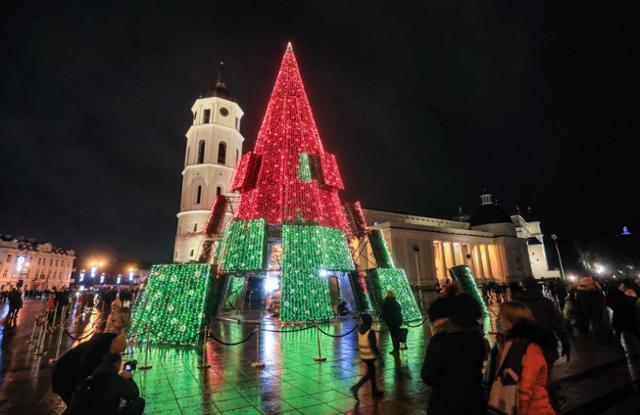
<point>478,261</point>
<point>486,251</point>
<point>443,262</point>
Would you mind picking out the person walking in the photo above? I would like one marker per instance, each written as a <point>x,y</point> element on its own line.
<point>589,303</point>
<point>516,374</point>
<point>15,304</point>
<point>547,317</point>
<point>368,351</point>
<point>622,301</point>
<point>392,316</point>
<point>455,356</point>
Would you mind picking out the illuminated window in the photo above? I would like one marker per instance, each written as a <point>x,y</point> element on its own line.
<point>222,152</point>
<point>192,252</point>
<point>198,195</point>
<point>218,190</point>
<point>207,116</point>
<point>195,227</point>
<point>201,152</point>
<point>8,258</point>
<point>237,155</point>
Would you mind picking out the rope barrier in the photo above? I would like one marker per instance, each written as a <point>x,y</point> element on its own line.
<point>287,331</point>
<point>79,338</point>
<point>417,325</point>
<point>339,335</point>
<point>231,344</point>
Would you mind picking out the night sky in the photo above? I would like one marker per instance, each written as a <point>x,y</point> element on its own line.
<point>424,104</point>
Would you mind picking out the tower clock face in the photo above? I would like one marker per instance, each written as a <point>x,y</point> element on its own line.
<point>224,112</point>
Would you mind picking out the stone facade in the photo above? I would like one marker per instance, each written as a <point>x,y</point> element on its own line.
<point>34,265</point>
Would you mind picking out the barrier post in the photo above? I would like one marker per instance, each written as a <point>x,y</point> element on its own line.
<point>257,364</point>
<point>33,330</point>
<point>146,353</point>
<point>204,364</point>
<point>59,343</point>
<point>53,320</point>
<point>41,335</point>
<point>319,358</point>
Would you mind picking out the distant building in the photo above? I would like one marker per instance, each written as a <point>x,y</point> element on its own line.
<point>212,150</point>
<point>34,265</point>
<point>495,245</point>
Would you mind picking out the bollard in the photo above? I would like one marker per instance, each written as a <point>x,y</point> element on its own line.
<point>319,359</point>
<point>257,364</point>
<point>53,321</point>
<point>59,343</point>
<point>41,335</point>
<point>146,353</point>
<point>204,364</point>
<point>33,331</point>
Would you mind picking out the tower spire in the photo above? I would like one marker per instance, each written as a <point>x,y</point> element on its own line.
<point>220,81</point>
<point>220,89</point>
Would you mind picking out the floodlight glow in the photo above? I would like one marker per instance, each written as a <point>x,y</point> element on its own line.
<point>271,284</point>
<point>324,273</point>
<point>81,277</point>
<point>20,263</point>
<point>102,279</point>
<point>118,280</point>
<point>572,278</point>
<point>600,269</point>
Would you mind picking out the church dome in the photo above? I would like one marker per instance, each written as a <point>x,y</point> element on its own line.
<point>488,212</point>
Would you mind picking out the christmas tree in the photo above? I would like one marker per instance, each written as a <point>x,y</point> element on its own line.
<point>288,189</point>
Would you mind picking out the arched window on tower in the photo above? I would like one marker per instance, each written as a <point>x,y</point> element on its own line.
<point>222,152</point>
<point>198,195</point>
<point>201,152</point>
<point>218,190</point>
<point>186,158</point>
<point>237,155</point>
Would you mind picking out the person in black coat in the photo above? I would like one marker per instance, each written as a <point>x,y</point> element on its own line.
<point>78,363</point>
<point>114,387</point>
<point>548,318</point>
<point>622,301</point>
<point>454,358</point>
<point>392,315</point>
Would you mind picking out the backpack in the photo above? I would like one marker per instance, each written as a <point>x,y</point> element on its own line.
<point>88,395</point>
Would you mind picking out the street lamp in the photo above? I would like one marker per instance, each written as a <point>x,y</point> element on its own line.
<point>555,241</point>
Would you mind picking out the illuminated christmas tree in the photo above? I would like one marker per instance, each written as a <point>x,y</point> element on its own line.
<point>288,189</point>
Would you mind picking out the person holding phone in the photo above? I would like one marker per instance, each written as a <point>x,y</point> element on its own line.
<point>108,392</point>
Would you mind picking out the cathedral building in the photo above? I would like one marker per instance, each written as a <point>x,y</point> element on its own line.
<point>495,245</point>
<point>212,150</point>
<point>33,265</point>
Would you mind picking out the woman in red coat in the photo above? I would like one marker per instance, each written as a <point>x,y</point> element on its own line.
<point>517,372</point>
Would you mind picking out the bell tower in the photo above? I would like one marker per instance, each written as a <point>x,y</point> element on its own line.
<point>213,149</point>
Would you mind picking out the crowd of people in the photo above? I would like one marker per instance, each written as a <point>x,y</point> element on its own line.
<point>534,326</point>
<point>509,375</point>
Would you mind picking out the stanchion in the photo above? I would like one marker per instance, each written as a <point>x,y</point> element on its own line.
<point>257,364</point>
<point>204,364</point>
<point>41,335</point>
<point>33,330</point>
<point>53,321</point>
<point>319,358</point>
<point>146,353</point>
<point>59,343</point>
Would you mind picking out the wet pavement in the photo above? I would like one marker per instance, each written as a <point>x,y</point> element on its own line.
<point>600,378</point>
